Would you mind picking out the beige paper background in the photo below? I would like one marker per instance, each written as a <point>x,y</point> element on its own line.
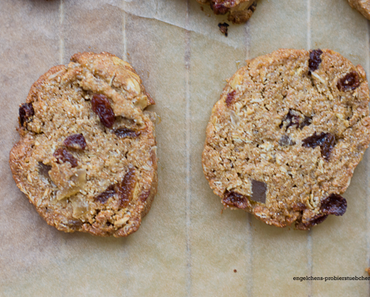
<point>185,246</point>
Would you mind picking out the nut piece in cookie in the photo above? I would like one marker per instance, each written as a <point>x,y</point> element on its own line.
<point>286,135</point>
<point>86,158</point>
<point>239,11</point>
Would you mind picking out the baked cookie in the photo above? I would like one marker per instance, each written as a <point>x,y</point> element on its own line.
<point>286,135</point>
<point>362,6</point>
<point>87,152</point>
<point>239,10</point>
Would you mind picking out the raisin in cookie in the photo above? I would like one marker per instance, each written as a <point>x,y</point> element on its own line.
<point>86,157</point>
<point>363,6</point>
<point>286,135</point>
<point>239,10</point>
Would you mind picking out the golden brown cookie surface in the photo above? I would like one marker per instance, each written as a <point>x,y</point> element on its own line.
<point>87,154</point>
<point>286,135</point>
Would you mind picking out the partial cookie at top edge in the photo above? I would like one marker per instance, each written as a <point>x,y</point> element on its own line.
<point>239,11</point>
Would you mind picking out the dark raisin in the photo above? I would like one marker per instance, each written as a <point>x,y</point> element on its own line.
<point>349,82</point>
<point>219,8</point>
<point>101,106</point>
<point>75,141</point>
<point>334,204</point>
<point>326,141</point>
<point>104,196</point>
<point>25,113</point>
<point>62,156</point>
<point>315,60</point>
<point>306,122</point>
<point>223,28</point>
<point>126,187</point>
<point>124,132</point>
<point>285,140</point>
<point>230,98</point>
<point>259,191</point>
<point>236,200</point>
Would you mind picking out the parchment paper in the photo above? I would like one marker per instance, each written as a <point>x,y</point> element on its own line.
<point>185,246</point>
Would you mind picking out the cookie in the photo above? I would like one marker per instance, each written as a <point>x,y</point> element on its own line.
<point>86,158</point>
<point>363,6</point>
<point>286,135</point>
<point>239,11</point>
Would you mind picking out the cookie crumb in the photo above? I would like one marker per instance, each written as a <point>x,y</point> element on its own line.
<point>224,28</point>
<point>368,270</point>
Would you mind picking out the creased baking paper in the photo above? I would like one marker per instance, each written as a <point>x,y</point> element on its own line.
<point>186,245</point>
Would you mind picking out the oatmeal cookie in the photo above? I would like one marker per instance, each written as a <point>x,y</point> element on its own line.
<point>286,135</point>
<point>363,6</point>
<point>86,158</point>
<point>239,10</point>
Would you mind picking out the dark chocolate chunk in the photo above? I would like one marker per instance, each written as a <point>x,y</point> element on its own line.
<point>326,141</point>
<point>223,28</point>
<point>349,82</point>
<point>75,141</point>
<point>334,204</point>
<point>315,60</point>
<point>259,191</point>
<point>236,200</point>
<point>25,113</point>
